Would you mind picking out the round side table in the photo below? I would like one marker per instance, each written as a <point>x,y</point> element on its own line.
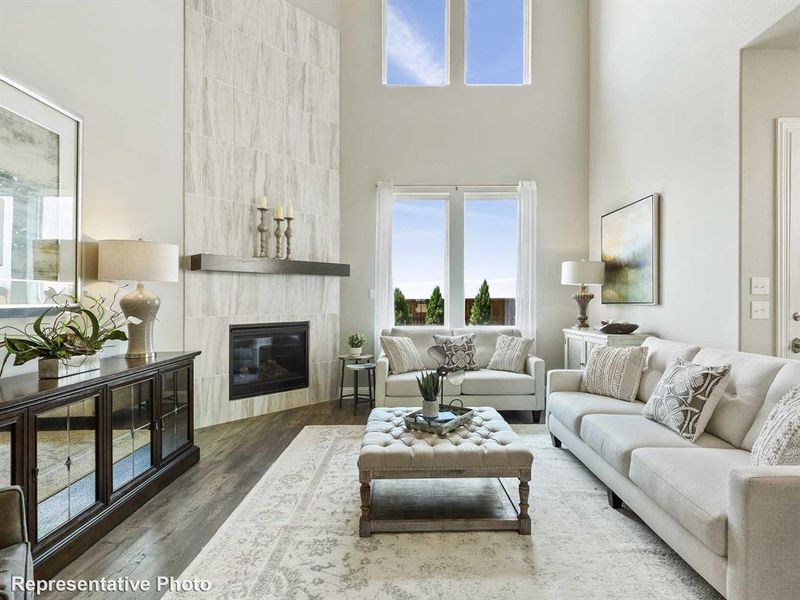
<point>355,359</point>
<point>369,368</point>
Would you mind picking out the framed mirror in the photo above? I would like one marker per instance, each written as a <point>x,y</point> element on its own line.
<point>40,187</point>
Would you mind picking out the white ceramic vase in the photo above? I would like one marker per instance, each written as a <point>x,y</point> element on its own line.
<point>430,409</point>
<point>355,351</point>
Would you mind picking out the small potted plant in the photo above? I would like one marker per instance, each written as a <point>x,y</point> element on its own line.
<point>70,340</point>
<point>356,343</point>
<point>429,388</point>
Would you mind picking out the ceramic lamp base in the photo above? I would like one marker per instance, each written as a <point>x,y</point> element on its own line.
<point>582,297</point>
<point>144,306</point>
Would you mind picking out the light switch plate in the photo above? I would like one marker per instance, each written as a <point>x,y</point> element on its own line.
<point>759,309</point>
<point>759,286</point>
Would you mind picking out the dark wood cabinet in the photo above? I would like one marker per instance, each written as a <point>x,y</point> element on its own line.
<point>90,449</point>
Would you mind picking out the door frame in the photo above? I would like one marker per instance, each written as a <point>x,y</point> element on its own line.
<point>785,129</point>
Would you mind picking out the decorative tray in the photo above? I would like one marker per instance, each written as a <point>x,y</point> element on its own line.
<point>450,418</point>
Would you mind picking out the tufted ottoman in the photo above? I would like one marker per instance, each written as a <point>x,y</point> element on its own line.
<point>486,447</point>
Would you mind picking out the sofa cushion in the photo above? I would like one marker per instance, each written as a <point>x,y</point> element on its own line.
<point>405,384</point>
<point>570,407</point>
<point>402,354</point>
<point>691,485</point>
<point>615,437</point>
<point>16,560</point>
<point>422,337</point>
<point>660,353</point>
<point>497,383</point>
<point>779,440</point>
<point>486,340</point>
<point>615,372</point>
<point>750,378</point>
<point>459,351</point>
<point>786,379</point>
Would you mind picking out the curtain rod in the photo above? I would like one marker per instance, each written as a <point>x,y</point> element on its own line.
<point>453,185</point>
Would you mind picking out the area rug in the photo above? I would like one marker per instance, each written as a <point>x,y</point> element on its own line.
<point>295,537</point>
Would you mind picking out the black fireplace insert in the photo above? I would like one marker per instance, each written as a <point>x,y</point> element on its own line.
<point>268,358</point>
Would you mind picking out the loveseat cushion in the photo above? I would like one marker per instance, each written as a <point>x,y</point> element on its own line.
<point>497,383</point>
<point>405,384</point>
<point>751,376</point>
<point>615,437</point>
<point>660,354</point>
<point>690,485</point>
<point>486,340</point>
<point>570,407</point>
<point>16,560</point>
<point>422,338</point>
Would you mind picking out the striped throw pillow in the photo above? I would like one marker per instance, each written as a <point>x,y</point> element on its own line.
<point>402,354</point>
<point>510,353</point>
<point>615,372</point>
<point>778,443</point>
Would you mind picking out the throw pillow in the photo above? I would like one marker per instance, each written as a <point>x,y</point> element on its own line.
<point>778,443</point>
<point>402,354</point>
<point>459,351</point>
<point>686,396</point>
<point>615,372</point>
<point>510,353</point>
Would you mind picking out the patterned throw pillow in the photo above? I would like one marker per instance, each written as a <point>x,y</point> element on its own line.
<point>778,443</point>
<point>615,372</point>
<point>510,353</point>
<point>459,351</point>
<point>686,397</point>
<point>402,354</point>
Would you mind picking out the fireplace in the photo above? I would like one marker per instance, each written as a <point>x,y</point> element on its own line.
<point>268,358</point>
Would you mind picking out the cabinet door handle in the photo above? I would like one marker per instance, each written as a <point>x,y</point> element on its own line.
<point>796,345</point>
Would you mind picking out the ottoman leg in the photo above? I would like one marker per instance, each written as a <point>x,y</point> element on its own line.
<point>364,524</point>
<point>524,518</point>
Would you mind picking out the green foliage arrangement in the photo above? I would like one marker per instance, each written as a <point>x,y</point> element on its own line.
<point>402,316</point>
<point>78,328</point>
<point>428,386</point>
<point>481,313</point>
<point>435,314</point>
<point>357,340</point>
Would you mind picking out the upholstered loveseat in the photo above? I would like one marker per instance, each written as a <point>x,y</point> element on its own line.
<point>499,389</point>
<point>735,524</point>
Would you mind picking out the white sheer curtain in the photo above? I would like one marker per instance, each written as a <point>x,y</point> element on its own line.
<point>526,259</point>
<point>384,295</point>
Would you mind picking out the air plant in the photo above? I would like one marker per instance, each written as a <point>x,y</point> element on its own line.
<point>78,328</point>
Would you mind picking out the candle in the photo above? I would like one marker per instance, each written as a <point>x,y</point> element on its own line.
<point>289,212</point>
<point>278,212</point>
<point>261,202</point>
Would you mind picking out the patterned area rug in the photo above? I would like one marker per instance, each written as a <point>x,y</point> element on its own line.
<point>295,536</point>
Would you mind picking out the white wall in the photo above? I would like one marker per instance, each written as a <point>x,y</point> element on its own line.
<point>664,98</point>
<point>770,89</point>
<point>469,135</point>
<point>120,66</point>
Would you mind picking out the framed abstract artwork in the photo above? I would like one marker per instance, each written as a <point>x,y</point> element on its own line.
<point>629,246</point>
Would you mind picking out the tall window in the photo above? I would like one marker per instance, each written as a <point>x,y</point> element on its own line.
<point>454,257</point>
<point>415,42</point>
<point>496,44</point>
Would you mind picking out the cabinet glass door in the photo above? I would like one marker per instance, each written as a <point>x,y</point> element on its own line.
<point>66,463</point>
<point>7,454</point>
<point>174,410</point>
<point>131,435</point>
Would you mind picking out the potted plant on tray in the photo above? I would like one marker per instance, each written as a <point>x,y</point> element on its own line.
<point>71,342</point>
<point>429,388</point>
<point>356,343</point>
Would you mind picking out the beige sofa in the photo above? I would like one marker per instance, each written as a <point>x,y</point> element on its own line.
<point>498,389</point>
<point>736,524</point>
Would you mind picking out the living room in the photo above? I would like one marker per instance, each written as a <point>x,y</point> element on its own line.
<point>289,296</point>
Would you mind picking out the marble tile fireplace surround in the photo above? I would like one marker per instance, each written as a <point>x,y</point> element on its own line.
<point>261,118</point>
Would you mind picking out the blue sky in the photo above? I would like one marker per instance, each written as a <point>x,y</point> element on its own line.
<point>415,41</point>
<point>490,246</point>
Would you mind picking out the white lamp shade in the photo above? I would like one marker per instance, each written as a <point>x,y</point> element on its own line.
<point>136,260</point>
<point>583,272</point>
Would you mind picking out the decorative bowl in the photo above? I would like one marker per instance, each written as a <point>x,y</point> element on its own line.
<point>619,328</point>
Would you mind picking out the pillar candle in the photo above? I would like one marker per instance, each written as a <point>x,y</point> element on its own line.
<point>289,212</point>
<point>278,212</point>
<point>261,202</point>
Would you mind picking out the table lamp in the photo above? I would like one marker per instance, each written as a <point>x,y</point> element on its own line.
<point>582,273</point>
<point>139,261</point>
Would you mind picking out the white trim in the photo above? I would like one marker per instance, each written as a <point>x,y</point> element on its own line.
<point>785,128</point>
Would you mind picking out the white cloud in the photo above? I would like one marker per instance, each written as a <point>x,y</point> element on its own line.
<point>410,51</point>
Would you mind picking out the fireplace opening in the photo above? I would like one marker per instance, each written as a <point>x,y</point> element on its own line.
<point>268,358</point>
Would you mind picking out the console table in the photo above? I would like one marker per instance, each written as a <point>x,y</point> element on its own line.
<point>90,449</point>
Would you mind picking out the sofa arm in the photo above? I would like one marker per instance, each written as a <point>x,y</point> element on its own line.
<point>763,533</point>
<point>381,374</point>
<point>13,529</point>
<point>564,380</point>
<point>534,367</point>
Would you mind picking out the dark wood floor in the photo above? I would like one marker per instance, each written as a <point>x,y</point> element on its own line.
<point>162,537</point>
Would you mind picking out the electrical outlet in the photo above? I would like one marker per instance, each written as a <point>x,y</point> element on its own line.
<point>759,310</point>
<point>759,286</point>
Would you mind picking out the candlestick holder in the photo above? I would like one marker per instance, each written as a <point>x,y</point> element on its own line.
<point>263,228</point>
<point>289,235</point>
<point>278,236</point>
